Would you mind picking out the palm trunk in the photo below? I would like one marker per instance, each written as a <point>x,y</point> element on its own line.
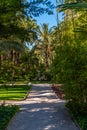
<point>46,57</point>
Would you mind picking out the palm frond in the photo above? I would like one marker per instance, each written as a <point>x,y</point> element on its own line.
<point>78,6</point>
<point>8,45</point>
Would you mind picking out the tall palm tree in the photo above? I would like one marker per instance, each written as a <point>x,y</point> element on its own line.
<point>45,44</point>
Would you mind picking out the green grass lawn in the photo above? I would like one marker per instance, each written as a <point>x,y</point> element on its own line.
<point>17,92</point>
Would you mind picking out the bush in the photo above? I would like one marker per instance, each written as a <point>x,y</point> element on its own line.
<point>78,113</point>
<point>6,113</point>
<point>70,68</point>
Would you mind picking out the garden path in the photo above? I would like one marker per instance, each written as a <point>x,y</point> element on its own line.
<point>42,110</point>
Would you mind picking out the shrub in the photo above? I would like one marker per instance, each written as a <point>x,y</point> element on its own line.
<point>6,113</point>
<point>70,68</point>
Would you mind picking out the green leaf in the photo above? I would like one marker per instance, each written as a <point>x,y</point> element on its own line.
<point>78,6</point>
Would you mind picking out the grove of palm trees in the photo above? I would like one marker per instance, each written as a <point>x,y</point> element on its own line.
<point>31,52</point>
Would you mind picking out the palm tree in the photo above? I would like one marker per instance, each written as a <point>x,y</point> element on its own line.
<point>73,5</point>
<point>45,45</point>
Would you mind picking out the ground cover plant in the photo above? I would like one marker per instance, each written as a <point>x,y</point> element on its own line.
<point>6,113</point>
<point>79,113</point>
<point>17,92</point>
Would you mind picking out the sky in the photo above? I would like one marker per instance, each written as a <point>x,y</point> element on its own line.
<point>49,19</point>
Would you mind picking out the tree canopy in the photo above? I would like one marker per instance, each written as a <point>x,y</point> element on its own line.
<point>12,11</point>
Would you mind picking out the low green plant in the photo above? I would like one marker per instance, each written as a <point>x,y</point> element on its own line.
<point>79,113</point>
<point>6,113</point>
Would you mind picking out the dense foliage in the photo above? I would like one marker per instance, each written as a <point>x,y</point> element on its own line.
<point>17,36</point>
<point>70,69</point>
<point>78,113</point>
<point>6,113</point>
<point>13,11</point>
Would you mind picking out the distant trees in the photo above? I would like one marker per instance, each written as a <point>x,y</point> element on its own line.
<point>18,29</point>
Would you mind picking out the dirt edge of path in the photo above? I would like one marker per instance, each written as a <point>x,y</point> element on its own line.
<point>58,90</point>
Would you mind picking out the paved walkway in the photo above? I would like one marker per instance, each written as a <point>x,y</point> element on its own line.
<point>42,111</point>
